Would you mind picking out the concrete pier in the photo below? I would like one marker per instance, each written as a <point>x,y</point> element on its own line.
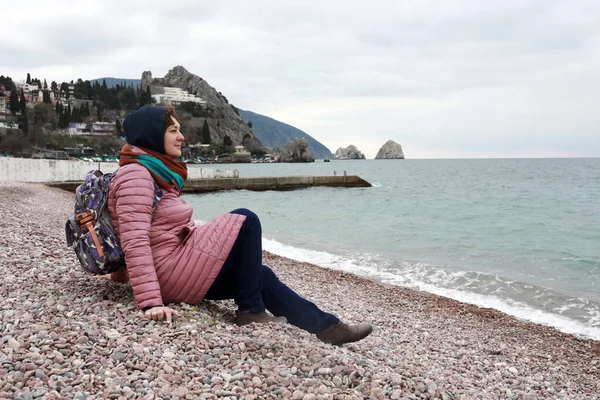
<point>254,184</point>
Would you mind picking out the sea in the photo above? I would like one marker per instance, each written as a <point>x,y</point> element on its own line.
<point>518,235</point>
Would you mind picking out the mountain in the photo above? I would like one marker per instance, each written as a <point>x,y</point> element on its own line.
<point>112,82</point>
<point>273,133</point>
<point>222,117</point>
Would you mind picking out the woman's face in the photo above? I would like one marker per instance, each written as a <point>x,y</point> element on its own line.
<point>173,139</point>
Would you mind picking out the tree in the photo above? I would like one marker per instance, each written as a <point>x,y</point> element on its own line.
<point>227,141</point>
<point>206,133</point>
<point>42,114</point>
<point>8,83</point>
<point>28,78</point>
<point>249,124</point>
<point>99,111</point>
<point>66,117</point>
<point>54,86</point>
<point>62,116</point>
<point>146,97</point>
<point>75,115</point>
<point>118,127</point>
<point>25,123</point>
<point>23,103</point>
<point>14,104</point>
<point>45,84</point>
<point>64,87</point>
<point>89,90</point>
<point>127,98</point>
<point>46,97</point>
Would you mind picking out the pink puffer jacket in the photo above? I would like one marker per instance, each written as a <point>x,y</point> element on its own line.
<point>169,259</point>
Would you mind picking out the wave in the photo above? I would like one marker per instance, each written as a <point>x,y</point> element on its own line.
<point>579,317</point>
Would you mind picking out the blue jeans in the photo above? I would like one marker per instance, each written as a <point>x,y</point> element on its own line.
<point>254,286</point>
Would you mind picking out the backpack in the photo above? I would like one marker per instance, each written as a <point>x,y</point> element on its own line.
<point>89,230</point>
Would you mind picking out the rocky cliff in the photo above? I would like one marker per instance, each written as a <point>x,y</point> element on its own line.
<point>296,151</point>
<point>222,117</point>
<point>349,153</point>
<point>390,150</point>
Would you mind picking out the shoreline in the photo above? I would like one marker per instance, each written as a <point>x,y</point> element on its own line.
<point>519,310</point>
<point>65,334</point>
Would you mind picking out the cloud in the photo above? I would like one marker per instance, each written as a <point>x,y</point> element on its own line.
<point>455,78</point>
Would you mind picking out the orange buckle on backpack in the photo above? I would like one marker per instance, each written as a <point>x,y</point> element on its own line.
<point>86,223</point>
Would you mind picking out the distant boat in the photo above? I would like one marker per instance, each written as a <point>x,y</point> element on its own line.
<point>326,159</point>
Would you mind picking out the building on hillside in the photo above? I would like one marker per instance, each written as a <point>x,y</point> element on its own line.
<point>241,155</point>
<point>27,87</point>
<point>176,96</point>
<point>59,95</point>
<point>93,129</point>
<point>103,128</point>
<point>6,114</point>
<point>78,128</point>
<point>35,96</point>
<point>79,151</point>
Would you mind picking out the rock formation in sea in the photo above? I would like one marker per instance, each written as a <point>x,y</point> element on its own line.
<point>349,153</point>
<point>296,151</point>
<point>390,150</point>
<point>222,117</point>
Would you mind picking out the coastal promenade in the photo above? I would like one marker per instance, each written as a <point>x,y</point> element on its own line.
<point>43,170</point>
<point>64,334</point>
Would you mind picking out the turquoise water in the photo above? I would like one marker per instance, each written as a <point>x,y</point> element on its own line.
<point>518,235</point>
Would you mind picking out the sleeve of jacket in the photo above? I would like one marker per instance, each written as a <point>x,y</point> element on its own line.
<point>134,197</point>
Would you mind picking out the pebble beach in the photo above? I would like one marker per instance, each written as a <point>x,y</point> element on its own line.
<point>64,334</point>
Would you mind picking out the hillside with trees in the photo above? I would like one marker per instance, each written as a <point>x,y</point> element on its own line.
<point>273,133</point>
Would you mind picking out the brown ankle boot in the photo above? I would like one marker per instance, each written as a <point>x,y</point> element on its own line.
<point>246,317</point>
<point>344,333</point>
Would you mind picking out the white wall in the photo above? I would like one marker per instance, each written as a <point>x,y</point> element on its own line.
<point>33,170</point>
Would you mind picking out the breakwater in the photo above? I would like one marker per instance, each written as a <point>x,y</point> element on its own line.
<point>206,185</point>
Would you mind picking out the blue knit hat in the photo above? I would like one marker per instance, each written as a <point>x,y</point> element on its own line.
<point>146,128</point>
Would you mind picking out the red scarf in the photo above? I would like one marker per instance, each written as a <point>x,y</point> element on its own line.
<point>129,156</point>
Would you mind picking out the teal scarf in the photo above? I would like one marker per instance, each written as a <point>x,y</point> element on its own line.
<point>164,169</point>
<point>155,165</point>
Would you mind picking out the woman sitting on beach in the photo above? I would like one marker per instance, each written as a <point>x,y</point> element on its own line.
<point>169,259</point>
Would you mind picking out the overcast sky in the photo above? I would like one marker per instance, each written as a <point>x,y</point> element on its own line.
<point>446,78</point>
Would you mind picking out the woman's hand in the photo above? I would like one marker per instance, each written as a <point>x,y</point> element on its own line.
<point>161,312</point>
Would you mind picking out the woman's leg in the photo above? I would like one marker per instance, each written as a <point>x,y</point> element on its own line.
<point>283,301</point>
<point>254,286</point>
<point>239,278</point>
